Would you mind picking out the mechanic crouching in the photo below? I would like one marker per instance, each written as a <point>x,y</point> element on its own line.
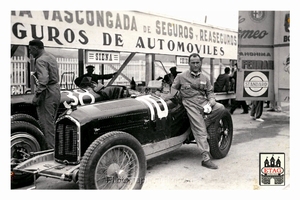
<point>198,97</point>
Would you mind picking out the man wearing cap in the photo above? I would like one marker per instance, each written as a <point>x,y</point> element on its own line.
<point>169,78</point>
<point>198,98</point>
<point>94,77</point>
<point>47,93</point>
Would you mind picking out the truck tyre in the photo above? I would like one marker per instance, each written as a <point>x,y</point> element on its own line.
<point>220,135</point>
<point>25,138</point>
<point>115,160</point>
<point>25,118</point>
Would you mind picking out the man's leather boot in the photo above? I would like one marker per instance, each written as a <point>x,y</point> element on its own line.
<point>207,161</point>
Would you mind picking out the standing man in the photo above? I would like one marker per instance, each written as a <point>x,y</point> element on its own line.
<point>47,94</point>
<point>257,110</point>
<point>198,98</point>
<point>236,103</point>
<point>94,77</point>
<point>222,83</point>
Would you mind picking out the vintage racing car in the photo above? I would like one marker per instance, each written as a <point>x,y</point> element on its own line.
<point>106,145</point>
<point>25,129</point>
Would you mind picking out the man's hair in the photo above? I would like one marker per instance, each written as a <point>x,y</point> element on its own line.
<point>227,70</point>
<point>38,43</point>
<point>194,55</point>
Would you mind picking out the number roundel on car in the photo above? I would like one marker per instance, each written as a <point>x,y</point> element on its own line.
<point>77,98</point>
<point>152,102</point>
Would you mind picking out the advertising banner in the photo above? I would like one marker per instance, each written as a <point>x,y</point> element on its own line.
<point>282,56</point>
<point>128,31</point>
<point>255,77</point>
<point>263,55</point>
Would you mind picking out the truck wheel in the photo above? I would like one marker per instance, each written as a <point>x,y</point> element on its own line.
<point>220,135</point>
<point>25,138</point>
<point>115,160</point>
<point>25,118</point>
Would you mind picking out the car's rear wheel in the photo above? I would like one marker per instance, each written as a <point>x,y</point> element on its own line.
<point>220,135</point>
<point>25,138</point>
<point>115,160</point>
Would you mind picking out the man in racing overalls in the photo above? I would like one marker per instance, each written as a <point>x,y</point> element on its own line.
<point>198,98</point>
<point>47,93</point>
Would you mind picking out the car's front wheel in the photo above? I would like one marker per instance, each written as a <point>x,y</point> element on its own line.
<point>25,138</point>
<point>115,160</point>
<point>220,135</point>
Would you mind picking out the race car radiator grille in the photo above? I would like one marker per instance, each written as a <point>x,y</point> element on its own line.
<point>66,142</point>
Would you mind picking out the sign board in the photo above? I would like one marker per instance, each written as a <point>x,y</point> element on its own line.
<point>256,75</point>
<point>122,31</point>
<point>282,56</point>
<point>182,60</point>
<point>263,55</point>
<point>101,57</point>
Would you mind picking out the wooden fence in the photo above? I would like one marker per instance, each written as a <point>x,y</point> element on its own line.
<point>18,75</point>
<point>68,70</point>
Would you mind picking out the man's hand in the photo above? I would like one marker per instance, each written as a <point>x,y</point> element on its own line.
<point>207,108</point>
<point>36,100</point>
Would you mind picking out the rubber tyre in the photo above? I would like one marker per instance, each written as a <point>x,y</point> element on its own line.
<point>104,149</point>
<point>29,138</point>
<point>25,118</point>
<point>220,135</point>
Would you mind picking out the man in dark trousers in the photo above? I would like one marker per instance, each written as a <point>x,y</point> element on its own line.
<point>47,93</point>
<point>94,77</point>
<point>236,103</point>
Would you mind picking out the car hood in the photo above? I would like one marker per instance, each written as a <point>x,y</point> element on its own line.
<point>107,109</point>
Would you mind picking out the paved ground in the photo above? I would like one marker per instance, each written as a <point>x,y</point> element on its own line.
<point>182,170</point>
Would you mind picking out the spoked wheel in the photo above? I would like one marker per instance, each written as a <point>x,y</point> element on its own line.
<point>116,161</point>
<point>117,169</point>
<point>221,134</point>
